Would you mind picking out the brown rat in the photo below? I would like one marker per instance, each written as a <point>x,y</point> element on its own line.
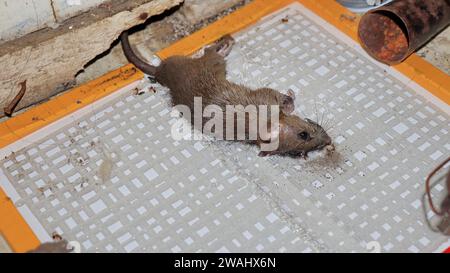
<point>205,77</point>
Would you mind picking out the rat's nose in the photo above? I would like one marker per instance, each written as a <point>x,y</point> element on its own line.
<point>328,141</point>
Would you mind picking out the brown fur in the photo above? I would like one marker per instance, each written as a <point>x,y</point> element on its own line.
<point>206,77</point>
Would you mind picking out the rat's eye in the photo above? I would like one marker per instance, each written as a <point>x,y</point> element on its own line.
<point>303,135</point>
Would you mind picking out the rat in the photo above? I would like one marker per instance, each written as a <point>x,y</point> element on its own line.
<point>205,77</point>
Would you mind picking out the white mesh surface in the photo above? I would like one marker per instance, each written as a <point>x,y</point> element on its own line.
<point>115,180</point>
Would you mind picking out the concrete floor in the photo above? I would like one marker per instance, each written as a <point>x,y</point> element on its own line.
<point>437,51</point>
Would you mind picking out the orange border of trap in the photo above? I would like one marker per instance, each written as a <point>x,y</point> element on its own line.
<point>12,225</point>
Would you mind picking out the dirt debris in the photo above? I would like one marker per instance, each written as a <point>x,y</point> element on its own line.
<point>347,17</point>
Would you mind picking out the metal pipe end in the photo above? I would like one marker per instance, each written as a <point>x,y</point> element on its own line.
<point>384,36</point>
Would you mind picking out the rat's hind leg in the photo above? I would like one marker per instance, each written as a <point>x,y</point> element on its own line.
<point>214,57</point>
<point>223,46</point>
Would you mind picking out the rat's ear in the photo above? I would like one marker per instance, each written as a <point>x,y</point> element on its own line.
<point>287,102</point>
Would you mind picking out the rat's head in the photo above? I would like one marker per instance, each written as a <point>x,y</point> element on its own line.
<point>298,137</point>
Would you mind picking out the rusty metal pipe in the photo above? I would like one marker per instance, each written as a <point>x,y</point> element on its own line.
<point>393,32</point>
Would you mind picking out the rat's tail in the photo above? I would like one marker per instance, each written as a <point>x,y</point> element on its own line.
<point>133,58</point>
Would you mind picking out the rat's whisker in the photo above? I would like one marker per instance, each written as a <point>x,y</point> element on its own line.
<point>325,124</point>
<point>332,127</point>
<point>323,116</point>
<point>316,111</point>
<point>328,121</point>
